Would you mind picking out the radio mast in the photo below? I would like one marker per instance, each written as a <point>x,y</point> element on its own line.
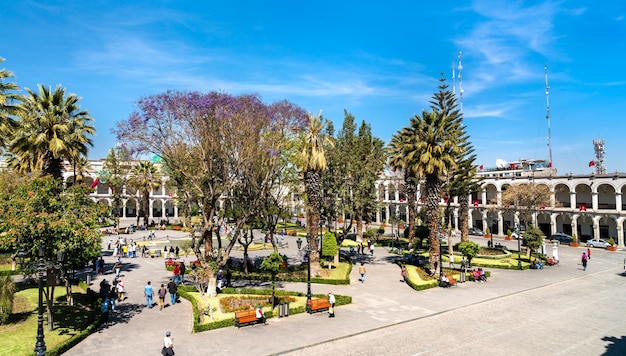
<point>548,115</point>
<point>460,68</point>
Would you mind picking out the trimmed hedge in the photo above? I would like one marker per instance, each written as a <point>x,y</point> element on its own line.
<point>184,291</point>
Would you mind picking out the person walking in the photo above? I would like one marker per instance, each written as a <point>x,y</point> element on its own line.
<point>403,273</point>
<point>148,292</point>
<point>362,272</point>
<point>172,288</point>
<point>331,301</point>
<point>588,253</point>
<point>168,344</point>
<point>105,312</point>
<point>120,290</point>
<point>182,272</point>
<point>176,273</point>
<point>584,261</point>
<point>162,293</point>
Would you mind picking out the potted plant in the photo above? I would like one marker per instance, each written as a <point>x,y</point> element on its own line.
<point>574,242</point>
<point>508,235</point>
<point>488,233</point>
<point>612,247</point>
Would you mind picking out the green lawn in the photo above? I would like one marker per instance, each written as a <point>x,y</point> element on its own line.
<point>19,337</point>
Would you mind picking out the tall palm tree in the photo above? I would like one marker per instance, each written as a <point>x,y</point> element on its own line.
<point>464,181</point>
<point>403,159</point>
<point>8,106</point>
<point>145,177</point>
<point>311,162</point>
<point>431,146</point>
<point>52,129</point>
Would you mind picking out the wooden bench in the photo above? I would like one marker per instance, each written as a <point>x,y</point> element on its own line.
<point>317,305</point>
<point>245,317</point>
<point>452,281</point>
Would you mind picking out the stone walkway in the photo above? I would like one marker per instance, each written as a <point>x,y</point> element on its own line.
<point>379,305</point>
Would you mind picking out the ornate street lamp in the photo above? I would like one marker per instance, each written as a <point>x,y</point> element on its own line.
<point>441,260</point>
<point>308,276</point>
<point>40,345</point>
<point>519,247</point>
<point>299,243</point>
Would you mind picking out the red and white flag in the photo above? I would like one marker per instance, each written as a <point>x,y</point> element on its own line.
<point>95,183</point>
<point>592,163</point>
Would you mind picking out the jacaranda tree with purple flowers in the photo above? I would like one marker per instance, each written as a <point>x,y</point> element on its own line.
<point>215,148</point>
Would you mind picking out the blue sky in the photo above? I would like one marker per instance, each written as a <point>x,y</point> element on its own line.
<point>381,62</point>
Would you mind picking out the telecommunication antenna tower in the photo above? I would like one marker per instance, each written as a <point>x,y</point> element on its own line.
<point>548,115</point>
<point>460,68</point>
<point>598,146</point>
<point>453,79</point>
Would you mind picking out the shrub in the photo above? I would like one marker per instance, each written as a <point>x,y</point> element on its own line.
<point>612,241</point>
<point>7,292</point>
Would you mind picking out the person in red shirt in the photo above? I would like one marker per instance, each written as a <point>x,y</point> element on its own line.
<point>176,274</point>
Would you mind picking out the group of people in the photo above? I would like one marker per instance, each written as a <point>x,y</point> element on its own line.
<point>171,288</point>
<point>110,295</point>
<point>123,249</point>
<point>479,275</point>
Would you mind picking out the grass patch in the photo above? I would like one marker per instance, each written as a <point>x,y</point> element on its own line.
<point>338,274</point>
<point>71,323</point>
<point>247,297</point>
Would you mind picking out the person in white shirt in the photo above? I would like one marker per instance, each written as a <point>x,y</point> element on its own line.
<point>168,344</point>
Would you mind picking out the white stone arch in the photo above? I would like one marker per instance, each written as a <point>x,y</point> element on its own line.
<point>157,210</point>
<point>562,196</point>
<point>606,196</point>
<point>563,223</point>
<point>131,207</point>
<point>583,196</point>
<point>491,194</point>
<point>585,226</point>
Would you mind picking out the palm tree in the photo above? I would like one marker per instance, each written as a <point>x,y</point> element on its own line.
<point>311,162</point>
<point>8,107</point>
<point>402,159</point>
<point>145,177</point>
<point>52,129</point>
<point>429,148</point>
<point>464,182</point>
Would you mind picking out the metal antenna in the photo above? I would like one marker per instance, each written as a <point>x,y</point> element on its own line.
<point>548,114</point>
<point>460,81</point>
<point>453,79</point>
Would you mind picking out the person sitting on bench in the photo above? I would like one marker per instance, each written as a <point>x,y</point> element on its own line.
<point>260,315</point>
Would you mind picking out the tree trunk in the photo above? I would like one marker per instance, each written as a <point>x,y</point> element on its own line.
<point>464,216</point>
<point>432,213</point>
<point>411,199</point>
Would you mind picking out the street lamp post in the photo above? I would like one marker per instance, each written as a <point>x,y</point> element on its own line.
<point>40,345</point>
<point>308,276</point>
<point>440,260</point>
<point>519,247</point>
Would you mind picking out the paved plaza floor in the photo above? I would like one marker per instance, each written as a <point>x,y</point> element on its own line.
<point>559,310</point>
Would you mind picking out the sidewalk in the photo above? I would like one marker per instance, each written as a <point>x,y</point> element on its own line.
<point>382,300</point>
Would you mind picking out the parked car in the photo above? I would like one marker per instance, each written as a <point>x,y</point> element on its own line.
<point>516,235</point>
<point>475,231</point>
<point>562,238</point>
<point>598,243</point>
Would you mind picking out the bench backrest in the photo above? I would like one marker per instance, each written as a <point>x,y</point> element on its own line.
<point>245,313</point>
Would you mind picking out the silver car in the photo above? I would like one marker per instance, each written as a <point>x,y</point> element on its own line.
<point>598,243</point>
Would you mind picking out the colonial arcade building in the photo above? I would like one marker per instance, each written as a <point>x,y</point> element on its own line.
<point>589,206</point>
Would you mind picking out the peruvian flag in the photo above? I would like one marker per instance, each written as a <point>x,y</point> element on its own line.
<point>592,163</point>
<point>95,183</point>
<point>582,207</point>
<point>481,167</point>
<point>512,165</point>
<point>550,165</point>
<point>475,202</point>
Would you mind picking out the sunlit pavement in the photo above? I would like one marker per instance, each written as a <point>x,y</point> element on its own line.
<point>558,310</point>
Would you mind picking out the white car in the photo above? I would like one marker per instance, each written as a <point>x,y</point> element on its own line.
<point>598,243</point>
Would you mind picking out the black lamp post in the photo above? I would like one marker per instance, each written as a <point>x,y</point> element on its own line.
<point>299,243</point>
<point>440,260</point>
<point>491,233</point>
<point>40,345</point>
<point>519,247</point>
<point>308,276</point>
